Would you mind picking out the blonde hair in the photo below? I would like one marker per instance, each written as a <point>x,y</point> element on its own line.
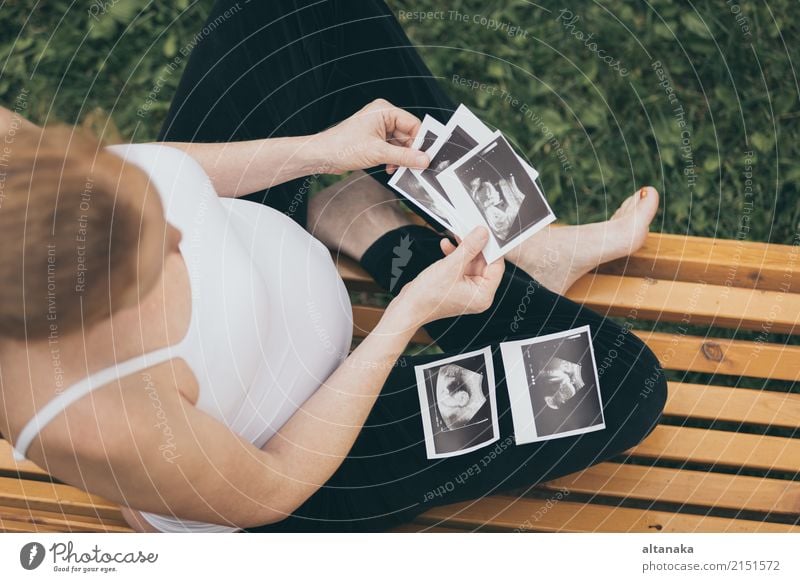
<point>69,240</point>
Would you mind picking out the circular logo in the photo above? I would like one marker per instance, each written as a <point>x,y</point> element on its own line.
<point>31,555</point>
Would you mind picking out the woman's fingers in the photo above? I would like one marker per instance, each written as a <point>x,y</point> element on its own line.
<point>392,155</point>
<point>447,247</point>
<point>494,273</point>
<point>401,139</point>
<point>399,120</point>
<point>472,244</point>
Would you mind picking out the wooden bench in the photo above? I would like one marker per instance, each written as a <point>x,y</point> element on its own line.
<point>723,459</point>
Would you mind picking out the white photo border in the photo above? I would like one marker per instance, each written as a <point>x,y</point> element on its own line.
<point>425,405</point>
<point>518,389</point>
<point>472,217</point>
<point>432,125</point>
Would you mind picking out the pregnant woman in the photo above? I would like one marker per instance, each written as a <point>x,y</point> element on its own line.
<point>185,353</point>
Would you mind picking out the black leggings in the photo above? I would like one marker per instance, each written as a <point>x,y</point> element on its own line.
<point>288,67</point>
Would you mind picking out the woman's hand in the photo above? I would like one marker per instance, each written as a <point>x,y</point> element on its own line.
<point>380,133</point>
<point>461,283</point>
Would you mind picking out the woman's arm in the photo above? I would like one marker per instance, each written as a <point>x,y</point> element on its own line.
<point>316,439</point>
<point>12,120</point>
<point>241,168</point>
<point>378,134</point>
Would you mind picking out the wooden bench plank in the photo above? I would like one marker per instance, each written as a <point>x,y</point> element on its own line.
<point>63,521</point>
<point>741,405</point>
<point>11,526</point>
<point>770,267</point>
<point>683,486</point>
<point>355,278</point>
<point>38,495</point>
<point>731,449</point>
<point>723,356</point>
<point>674,351</point>
<point>528,514</point>
<point>688,303</point>
<point>8,464</point>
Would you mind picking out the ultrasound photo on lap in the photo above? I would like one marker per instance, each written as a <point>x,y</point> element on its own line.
<point>458,404</point>
<point>553,385</point>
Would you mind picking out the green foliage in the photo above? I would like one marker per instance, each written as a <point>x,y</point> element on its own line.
<point>594,134</point>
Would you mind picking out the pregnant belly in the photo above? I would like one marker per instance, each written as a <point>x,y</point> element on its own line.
<point>310,317</point>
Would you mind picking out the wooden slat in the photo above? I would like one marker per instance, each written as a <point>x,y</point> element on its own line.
<point>688,303</point>
<point>739,405</point>
<point>731,449</point>
<point>37,495</point>
<point>9,465</point>
<point>527,514</point>
<point>700,488</point>
<point>675,351</point>
<point>11,526</point>
<point>722,356</point>
<point>355,278</point>
<point>63,521</point>
<point>737,263</point>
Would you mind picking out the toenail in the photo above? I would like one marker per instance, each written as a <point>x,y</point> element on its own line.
<point>643,192</point>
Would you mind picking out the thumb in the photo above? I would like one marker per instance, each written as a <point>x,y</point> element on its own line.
<point>472,244</point>
<point>402,156</point>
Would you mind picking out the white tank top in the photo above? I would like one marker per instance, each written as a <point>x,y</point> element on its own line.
<point>271,318</point>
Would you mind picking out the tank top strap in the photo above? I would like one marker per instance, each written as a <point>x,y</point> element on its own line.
<point>75,392</point>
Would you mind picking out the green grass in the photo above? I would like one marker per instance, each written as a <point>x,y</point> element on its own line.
<point>738,92</point>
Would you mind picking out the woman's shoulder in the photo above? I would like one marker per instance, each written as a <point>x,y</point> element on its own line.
<point>184,187</point>
<point>155,156</point>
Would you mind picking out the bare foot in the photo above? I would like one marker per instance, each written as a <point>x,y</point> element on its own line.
<point>559,256</point>
<point>352,214</point>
